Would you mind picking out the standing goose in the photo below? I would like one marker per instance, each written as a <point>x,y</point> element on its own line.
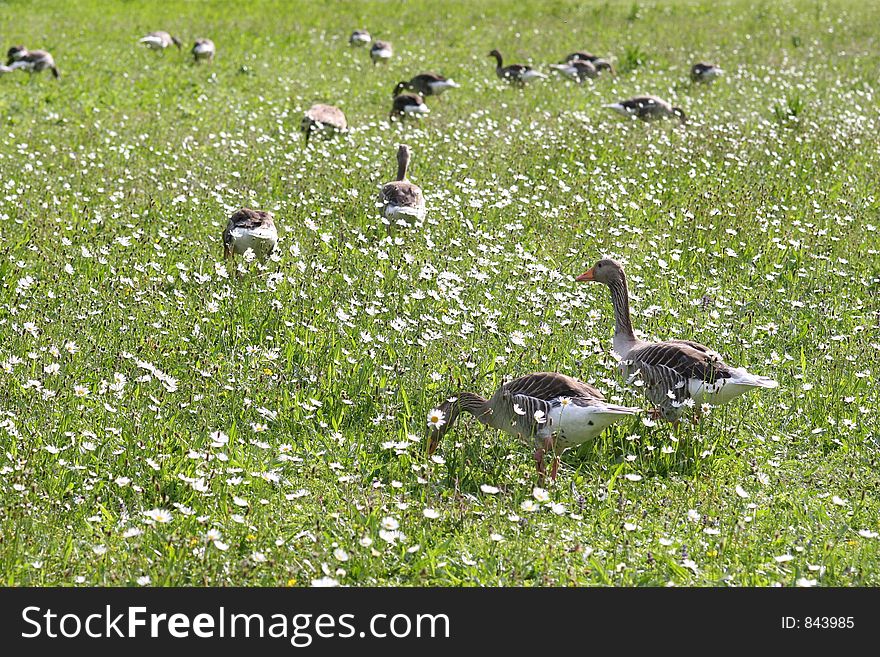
<point>647,108</point>
<point>401,200</point>
<point>427,84</point>
<point>577,69</point>
<point>160,41</point>
<point>32,61</point>
<point>250,229</point>
<point>323,118</point>
<point>380,51</point>
<point>703,72</point>
<point>359,38</point>
<point>553,411</point>
<point>515,73</point>
<point>203,50</point>
<point>407,105</point>
<point>675,373</point>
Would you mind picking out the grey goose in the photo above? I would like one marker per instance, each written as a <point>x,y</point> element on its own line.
<point>551,411</point>
<point>674,374</point>
<point>515,73</point>
<point>160,40</point>
<point>647,108</point>
<point>359,38</point>
<point>703,72</point>
<point>203,50</point>
<point>404,105</point>
<point>32,61</point>
<point>427,84</point>
<point>323,118</point>
<point>380,51</point>
<point>401,200</point>
<point>252,230</point>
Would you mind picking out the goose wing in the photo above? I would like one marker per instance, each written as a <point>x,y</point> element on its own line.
<point>670,367</point>
<point>402,192</point>
<point>551,385</point>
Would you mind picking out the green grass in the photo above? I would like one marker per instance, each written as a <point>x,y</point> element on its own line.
<point>752,230</point>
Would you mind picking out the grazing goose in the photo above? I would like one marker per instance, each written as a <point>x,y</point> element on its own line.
<point>702,72</point>
<point>401,200</point>
<point>675,373</point>
<point>551,410</point>
<point>359,38</point>
<point>515,73</point>
<point>647,108</point>
<point>427,84</point>
<point>250,229</point>
<point>323,118</point>
<point>32,61</point>
<point>203,50</point>
<point>160,40</point>
<point>578,70</point>
<point>380,51</point>
<point>598,62</point>
<point>407,105</point>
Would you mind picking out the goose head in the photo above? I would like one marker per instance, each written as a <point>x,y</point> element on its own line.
<point>679,113</point>
<point>496,55</point>
<point>605,271</point>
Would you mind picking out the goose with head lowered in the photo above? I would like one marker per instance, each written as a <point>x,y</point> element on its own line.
<point>551,411</point>
<point>598,62</point>
<point>402,201</point>
<point>703,72</point>
<point>578,70</point>
<point>250,230</point>
<point>328,119</point>
<point>517,74</point>
<point>32,61</point>
<point>405,105</point>
<point>159,41</point>
<point>203,50</point>
<point>648,108</point>
<point>381,51</point>
<point>359,38</point>
<point>675,374</point>
<point>426,84</point>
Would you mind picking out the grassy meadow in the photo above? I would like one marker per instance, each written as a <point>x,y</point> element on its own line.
<point>166,420</point>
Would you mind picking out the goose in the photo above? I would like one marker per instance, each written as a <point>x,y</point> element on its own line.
<point>675,373</point>
<point>32,61</point>
<point>250,229</point>
<point>515,73</point>
<point>203,50</point>
<point>407,105</point>
<point>427,84</point>
<point>160,40</point>
<point>380,52</point>
<point>323,118</point>
<point>578,70</point>
<point>647,108</point>
<point>553,411</point>
<point>598,62</point>
<point>703,72</point>
<point>401,200</point>
<point>359,38</point>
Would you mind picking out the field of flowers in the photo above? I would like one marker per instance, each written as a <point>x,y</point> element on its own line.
<point>167,420</point>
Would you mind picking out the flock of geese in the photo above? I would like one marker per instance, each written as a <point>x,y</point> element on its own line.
<point>552,411</point>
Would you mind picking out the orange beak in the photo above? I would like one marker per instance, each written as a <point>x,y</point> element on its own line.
<point>586,276</point>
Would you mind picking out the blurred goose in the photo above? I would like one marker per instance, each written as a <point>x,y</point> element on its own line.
<point>359,38</point>
<point>32,61</point>
<point>552,411</point>
<point>400,199</point>
<point>598,62</point>
<point>250,229</point>
<point>515,73</point>
<point>323,118</point>
<point>159,41</point>
<point>647,108</point>
<point>578,70</point>
<point>675,373</point>
<point>380,52</point>
<point>702,72</point>
<point>427,84</point>
<point>407,105</point>
<point>203,50</point>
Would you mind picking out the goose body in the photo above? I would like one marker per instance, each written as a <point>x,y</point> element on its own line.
<point>674,374</point>
<point>250,229</point>
<point>159,41</point>
<point>32,61</point>
<point>326,118</point>
<point>401,200</point>
<point>359,38</point>
<point>599,63</point>
<point>703,72</point>
<point>381,51</point>
<point>647,108</point>
<point>408,105</point>
<point>427,84</point>
<point>515,73</point>
<point>578,70</point>
<point>203,50</point>
<point>550,411</point>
